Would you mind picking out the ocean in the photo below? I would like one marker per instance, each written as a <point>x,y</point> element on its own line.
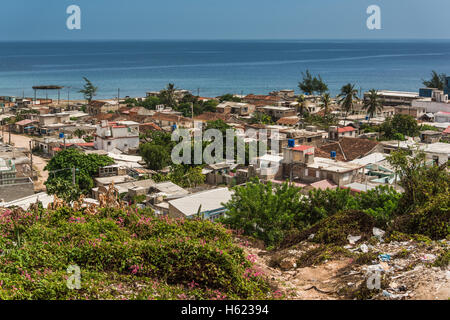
<point>217,67</point>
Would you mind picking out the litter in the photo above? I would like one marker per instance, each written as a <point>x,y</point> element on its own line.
<point>384,257</point>
<point>353,239</point>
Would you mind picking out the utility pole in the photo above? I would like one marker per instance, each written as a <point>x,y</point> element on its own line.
<point>118,97</point>
<point>68,98</point>
<point>9,129</point>
<point>73,175</point>
<point>192,111</point>
<point>31,160</point>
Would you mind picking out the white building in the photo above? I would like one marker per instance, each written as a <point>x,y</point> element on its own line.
<point>121,135</point>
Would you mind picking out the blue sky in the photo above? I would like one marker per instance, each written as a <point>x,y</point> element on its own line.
<point>224,19</point>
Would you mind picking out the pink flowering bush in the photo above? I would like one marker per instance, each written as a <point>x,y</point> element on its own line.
<point>122,254</point>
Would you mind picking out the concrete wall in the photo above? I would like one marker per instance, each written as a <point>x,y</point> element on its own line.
<point>23,188</point>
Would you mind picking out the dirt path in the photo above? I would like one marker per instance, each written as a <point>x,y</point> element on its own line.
<point>38,162</point>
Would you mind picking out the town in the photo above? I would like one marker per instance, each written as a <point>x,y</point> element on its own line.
<point>323,142</point>
<point>346,198</point>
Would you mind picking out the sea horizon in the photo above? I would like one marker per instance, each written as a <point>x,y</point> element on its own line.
<point>214,67</point>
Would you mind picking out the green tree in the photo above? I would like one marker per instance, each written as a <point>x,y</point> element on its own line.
<point>420,180</point>
<point>373,103</point>
<point>89,91</point>
<point>229,97</point>
<point>307,83</point>
<point>326,102</point>
<point>402,124</point>
<point>261,118</point>
<point>167,96</point>
<point>263,212</point>
<point>437,81</point>
<point>348,97</point>
<point>60,170</point>
<point>155,156</point>
<point>79,133</point>
<point>301,104</point>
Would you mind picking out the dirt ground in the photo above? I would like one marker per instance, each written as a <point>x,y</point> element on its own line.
<point>408,278</point>
<point>39,163</point>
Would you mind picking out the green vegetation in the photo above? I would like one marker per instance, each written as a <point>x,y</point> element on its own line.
<point>229,97</point>
<point>309,84</point>
<point>373,103</point>
<point>399,125</point>
<point>280,215</point>
<point>60,177</point>
<point>437,81</point>
<point>122,254</point>
<point>89,91</point>
<point>271,215</point>
<point>348,97</point>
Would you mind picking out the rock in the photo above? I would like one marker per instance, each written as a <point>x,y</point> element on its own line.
<point>288,263</point>
<point>353,239</point>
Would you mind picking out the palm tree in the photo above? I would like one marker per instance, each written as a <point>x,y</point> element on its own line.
<point>301,100</point>
<point>326,102</point>
<point>168,95</point>
<point>373,103</point>
<point>347,98</point>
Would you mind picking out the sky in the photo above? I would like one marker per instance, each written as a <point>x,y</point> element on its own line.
<point>223,19</point>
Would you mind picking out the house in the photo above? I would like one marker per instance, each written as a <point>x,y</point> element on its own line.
<point>212,116</point>
<point>122,135</point>
<point>438,152</point>
<point>430,136</point>
<point>310,136</point>
<point>335,133</point>
<point>348,149</point>
<point>165,120</point>
<point>414,111</point>
<point>395,98</point>
<point>206,204</point>
<point>442,116</point>
<point>299,163</point>
<point>25,126</point>
<point>262,100</point>
<point>149,126</point>
<point>288,121</point>
<point>278,112</point>
<point>97,107</point>
<point>238,108</point>
<point>53,118</point>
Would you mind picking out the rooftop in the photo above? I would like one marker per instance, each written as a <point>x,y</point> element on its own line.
<point>203,201</point>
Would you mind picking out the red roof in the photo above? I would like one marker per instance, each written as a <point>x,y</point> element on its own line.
<point>346,129</point>
<point>25,122</point>
<point>85,144</point>
<point>302,148</point>
<point>447,130</point>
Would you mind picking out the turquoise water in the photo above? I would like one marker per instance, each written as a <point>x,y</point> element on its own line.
<point>217,67</point>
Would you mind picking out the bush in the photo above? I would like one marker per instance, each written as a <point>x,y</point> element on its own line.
<point>115,249</point>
